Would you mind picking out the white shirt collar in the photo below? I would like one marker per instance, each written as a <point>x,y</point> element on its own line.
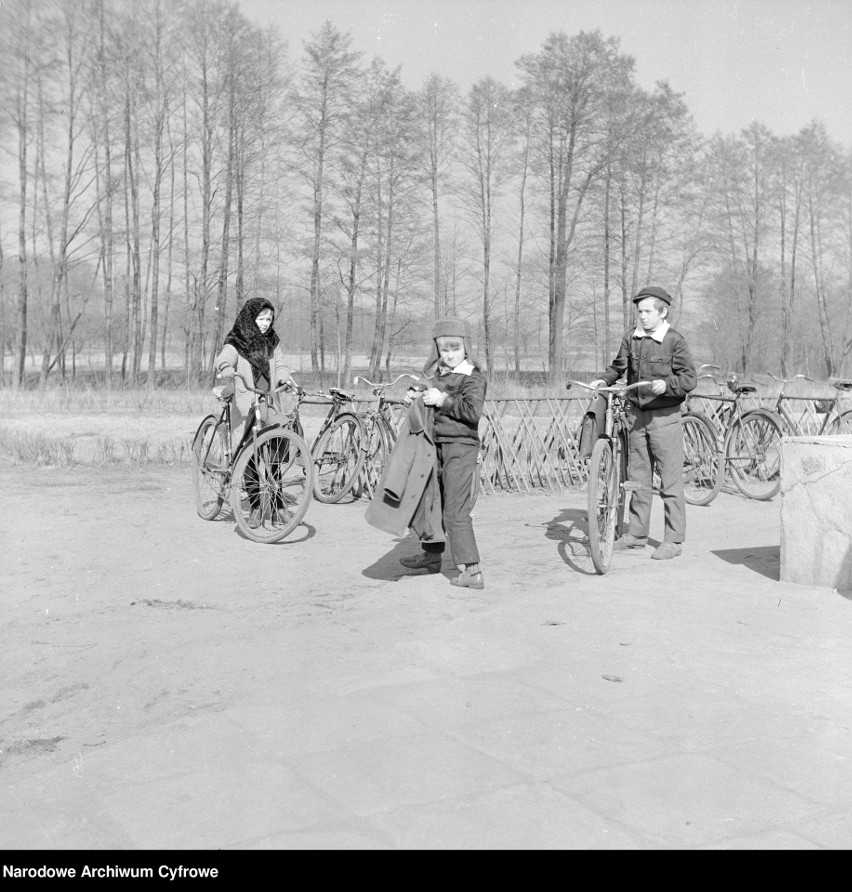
<point>657,335</point>
<point>465,367</point>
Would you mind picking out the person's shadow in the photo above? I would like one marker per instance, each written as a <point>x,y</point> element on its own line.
<point>388,567</point>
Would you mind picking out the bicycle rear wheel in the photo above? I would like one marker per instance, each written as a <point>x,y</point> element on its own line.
<point>338,458</point>
<point>841,425</point>
<point>272,485</point>
<point>753,453</point>
<point>603,504</point>
<point>210,470</point>
<point>702,464</point>
<point>376,447</point>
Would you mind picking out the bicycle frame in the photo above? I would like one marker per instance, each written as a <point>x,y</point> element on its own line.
<point>385,402</point>
<point>380,431</point>
<point>749,442</point>
<point>267,478</point>
<point>258,422</point>
<point>335,398</point>
<point>828,407</point>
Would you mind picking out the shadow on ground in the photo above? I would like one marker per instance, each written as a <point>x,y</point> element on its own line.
<point>569,529</point>
<point>388,567</point>
<point>765,559</point>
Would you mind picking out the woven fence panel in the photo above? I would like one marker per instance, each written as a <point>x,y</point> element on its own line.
<point>799,415</point>
<point>531,444</point>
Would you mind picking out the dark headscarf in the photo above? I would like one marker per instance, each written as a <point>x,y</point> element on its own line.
<point>449,327</point>
<point>249,341</point>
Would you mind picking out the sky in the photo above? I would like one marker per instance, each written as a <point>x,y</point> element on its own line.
<point>780,62</point>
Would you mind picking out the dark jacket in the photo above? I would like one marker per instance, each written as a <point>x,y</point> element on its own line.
<point>408,495</point>
<point>457,419</point>
<point>645,359</point>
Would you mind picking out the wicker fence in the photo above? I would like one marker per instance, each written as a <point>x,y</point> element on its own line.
<point>532,444</point>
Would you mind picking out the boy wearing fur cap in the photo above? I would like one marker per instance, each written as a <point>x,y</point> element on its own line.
<point>654,352</point>
<point>456,393</point>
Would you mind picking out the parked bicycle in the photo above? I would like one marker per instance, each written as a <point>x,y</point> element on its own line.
<point>748,442</point>
<point>267,477</point>
<point>834,419</point>
<point>608,483</point>
<point>381,425</point>
<point>337,450</point>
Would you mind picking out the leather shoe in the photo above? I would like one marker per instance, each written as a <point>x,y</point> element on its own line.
<point>666,551</point>
<point>468,580</point>
<point>628,543</point>
<point>424,561</point>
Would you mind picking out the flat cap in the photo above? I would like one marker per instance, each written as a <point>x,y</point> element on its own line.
<point>653,291</point>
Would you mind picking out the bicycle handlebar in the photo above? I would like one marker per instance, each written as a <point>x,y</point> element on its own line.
<point>360,379</point>
<point>790,380</point>
<point>287,385</point>
<point>613,388</point>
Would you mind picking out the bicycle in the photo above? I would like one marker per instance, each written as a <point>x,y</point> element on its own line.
<point>267,478</point>
<point>748,443</point>
<point>381,427</point>
<point>834,421</point>
<point>608,484</point>
<point>337,450</point>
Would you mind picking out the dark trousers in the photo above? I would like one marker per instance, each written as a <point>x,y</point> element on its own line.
<point>456,471</point>
<point>656,439</point>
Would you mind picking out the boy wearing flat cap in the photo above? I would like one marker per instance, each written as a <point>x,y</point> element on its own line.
<point>654,352</point>
<point>456,393</point>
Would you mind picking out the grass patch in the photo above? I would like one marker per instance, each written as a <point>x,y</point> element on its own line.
<point>34,448</point>
<point>26,447</point>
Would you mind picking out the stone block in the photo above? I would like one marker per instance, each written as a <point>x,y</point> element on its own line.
<point>816,511</point>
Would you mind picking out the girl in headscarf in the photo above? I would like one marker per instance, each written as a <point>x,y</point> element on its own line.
<point>251,349</point>
<point>456,393</point>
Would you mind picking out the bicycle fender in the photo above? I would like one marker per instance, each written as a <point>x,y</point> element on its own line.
<point>765,413</point>
<point>204,421</point>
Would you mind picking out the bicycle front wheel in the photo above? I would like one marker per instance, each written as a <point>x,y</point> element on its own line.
<point>753,453</point>
<point>396,413</point>
<point>702,464</point>
<point>272,485</point>
<point>338,458</point>
<point>210,467</point>
<point>603,504</point>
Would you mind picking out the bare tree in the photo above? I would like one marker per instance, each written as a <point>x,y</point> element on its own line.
<point>393,164</point>
<point>438,106</point>
<point>487,141</point>
<point>823,172</point>
<point>568,84</point>
<point>17,25</point>
<point>787,188</point>
<point>322,99</point>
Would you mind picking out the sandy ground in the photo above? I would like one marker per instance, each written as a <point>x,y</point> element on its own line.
<point>127,622</point>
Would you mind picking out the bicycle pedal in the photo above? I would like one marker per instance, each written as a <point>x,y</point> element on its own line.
<point>631,487</point>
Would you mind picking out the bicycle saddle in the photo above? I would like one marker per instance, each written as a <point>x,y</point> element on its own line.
<point>336,391</point>
<point>224,391</point>
<point>742,387</point>
<point>842,384</point>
